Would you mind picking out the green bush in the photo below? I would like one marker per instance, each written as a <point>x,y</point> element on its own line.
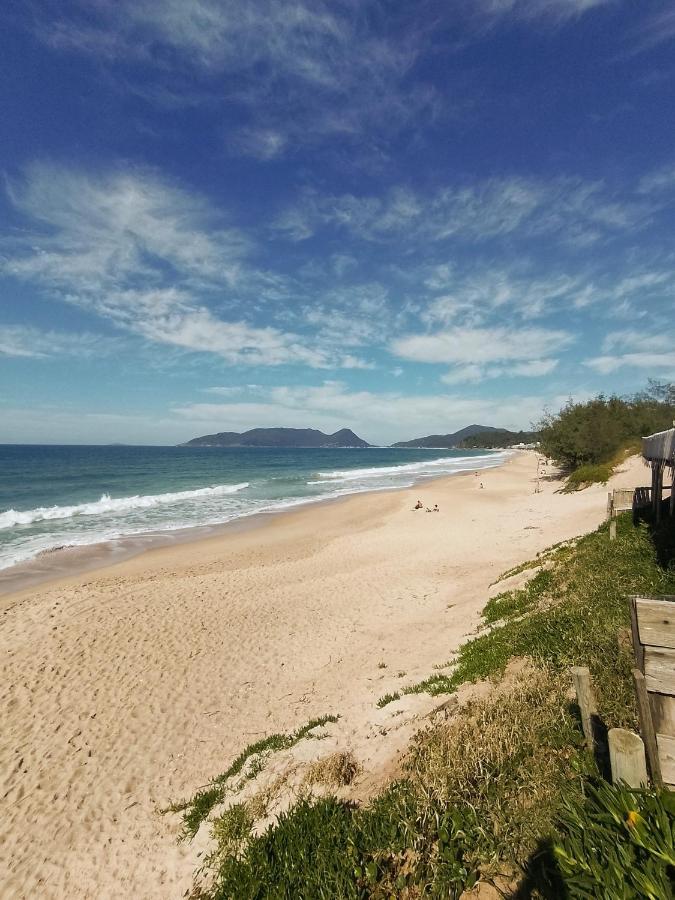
<point>593,432</point>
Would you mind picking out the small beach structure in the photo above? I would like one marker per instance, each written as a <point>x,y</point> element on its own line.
<point>658,451</point>
<point>653,631</point>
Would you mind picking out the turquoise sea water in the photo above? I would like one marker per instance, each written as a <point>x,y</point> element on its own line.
<point>53,496</point>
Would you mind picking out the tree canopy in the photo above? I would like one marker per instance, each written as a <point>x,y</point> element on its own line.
<point>595,431</point>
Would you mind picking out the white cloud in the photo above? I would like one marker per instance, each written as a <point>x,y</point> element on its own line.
<point>662,364</point>
<point>34,343</point>
<point>260,143</point>
<point>660,180</point>
<point>657,28</point>
<point>143,254</point>
<point>302,70</point>
<point>473,373</point>
<point>535,368</point>
<point>473,297</point>
<point>637,350</point>
<point>575,212</point>
<point>533,9</point>
<point>468,374</point>
<point>100,228</point>
<point>479,346</point>
<point>379,417</point>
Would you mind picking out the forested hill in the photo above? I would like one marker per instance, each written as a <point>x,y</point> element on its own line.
<point>500,437</point>
<point>447,440</point>
<point>279,437</point>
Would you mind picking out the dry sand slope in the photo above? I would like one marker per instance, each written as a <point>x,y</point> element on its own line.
<point>127,687</point>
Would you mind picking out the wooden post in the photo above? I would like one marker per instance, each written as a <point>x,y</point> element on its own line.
<point>638,648</point>
<point>612,530</point>
<point>647,727</point>
<point>581,677</point>
<point>609,505</point>
<point>659,491</point>
<point>627,757</point>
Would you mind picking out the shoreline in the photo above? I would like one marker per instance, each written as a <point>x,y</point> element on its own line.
<point>133,686</point>
<point>63,564</point>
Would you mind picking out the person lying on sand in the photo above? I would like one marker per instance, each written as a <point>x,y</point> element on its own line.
<point>435,509</point>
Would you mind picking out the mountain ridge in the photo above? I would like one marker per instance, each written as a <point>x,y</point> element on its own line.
<point>279,437</point>
<point>446,441</point>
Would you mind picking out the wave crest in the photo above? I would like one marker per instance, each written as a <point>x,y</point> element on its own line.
<point>453,462</point>
<point>108,504</point>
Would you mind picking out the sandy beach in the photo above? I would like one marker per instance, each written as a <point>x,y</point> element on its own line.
<point>127,687</point>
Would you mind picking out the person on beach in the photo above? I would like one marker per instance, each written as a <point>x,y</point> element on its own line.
<point>418,505</point>
<point>435,509</point>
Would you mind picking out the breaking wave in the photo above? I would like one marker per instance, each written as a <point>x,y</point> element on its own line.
<point>450,464</point>
<point>107,505</point>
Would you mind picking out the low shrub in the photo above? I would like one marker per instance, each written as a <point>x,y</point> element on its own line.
<point>618,844</point>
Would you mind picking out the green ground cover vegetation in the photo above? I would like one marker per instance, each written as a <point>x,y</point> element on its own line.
<point>506,788</point>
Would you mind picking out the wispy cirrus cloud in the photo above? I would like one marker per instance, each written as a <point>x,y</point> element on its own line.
<point>482,292</point>
<point>634,349</point>
<point>475,297</point>
<point>570,210</point>
<point>146,255</point>
<point>657,28</point>
<point>103,228</point>
<point>475,373</point>
<point>302,70</point>
<point>29,342</point>
<point>534,10</point>
<point>299,71</point>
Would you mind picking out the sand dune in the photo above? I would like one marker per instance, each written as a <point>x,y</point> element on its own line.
<point>135,684</point>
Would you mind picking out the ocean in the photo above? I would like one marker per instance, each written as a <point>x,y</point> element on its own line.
<point>54,497</point>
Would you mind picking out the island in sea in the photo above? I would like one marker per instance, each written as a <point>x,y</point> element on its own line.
<point>279,437</point>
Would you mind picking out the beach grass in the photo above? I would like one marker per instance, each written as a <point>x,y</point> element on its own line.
<point>599,472</point>
<point>489,792</point>
<point>197,809</point>
<point>573,613</point>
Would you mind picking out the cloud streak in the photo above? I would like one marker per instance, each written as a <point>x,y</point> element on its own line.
<point>572,211</point>
<point>140,252</point>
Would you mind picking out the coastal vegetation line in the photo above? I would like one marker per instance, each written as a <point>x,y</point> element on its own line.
<point>505,792</point>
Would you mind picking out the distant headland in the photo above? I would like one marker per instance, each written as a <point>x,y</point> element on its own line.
<point>279,437</point>
<point>471,437</point>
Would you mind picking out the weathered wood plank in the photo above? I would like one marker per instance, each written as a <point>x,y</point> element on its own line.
<point>659,668</point>
<point>622,500</point>
<point>666,745</point>
<point>663,713</point>
<point>656,621</point>
<point>647,726</point>
<point>638,649</point>
<point>627,757</point>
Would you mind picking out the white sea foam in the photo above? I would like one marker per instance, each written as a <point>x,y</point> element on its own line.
<point>110,519</point>
<point>450,463</point>
<point>113,505</point>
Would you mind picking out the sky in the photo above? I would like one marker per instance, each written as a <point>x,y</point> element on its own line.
<point>396,217</point>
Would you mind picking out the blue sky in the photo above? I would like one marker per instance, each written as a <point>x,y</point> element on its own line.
<point>396,217</point>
